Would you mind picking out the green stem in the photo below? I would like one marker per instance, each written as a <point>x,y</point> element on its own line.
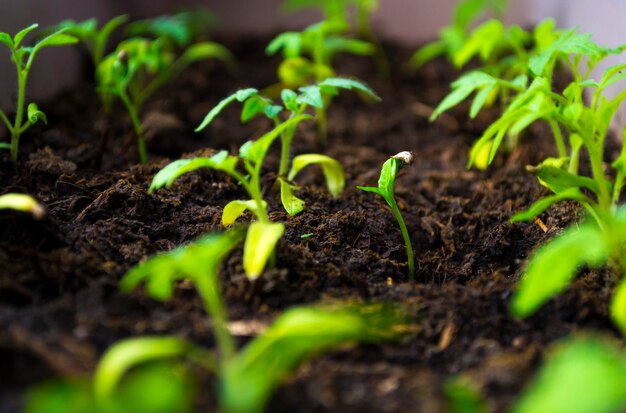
<point>597,168</point>
<point>558,138</point>
<point>19,115</point>
<point>405,235</point>
<point>213,305</point>
<point>134,118</point>
<point>322,127</point>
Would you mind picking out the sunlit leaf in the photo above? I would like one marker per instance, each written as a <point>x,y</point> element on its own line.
<point>333,171</point>
<point>234,209</point>
<point>260,243</point>
<point>292,204</point>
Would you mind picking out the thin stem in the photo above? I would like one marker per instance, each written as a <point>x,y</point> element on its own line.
<point>213,305</point>
<point>19,115</point>
<point>558,138</point>
<point>134,118</point>
<point>405,235</point>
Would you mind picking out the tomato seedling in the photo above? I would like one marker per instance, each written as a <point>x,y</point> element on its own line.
<point>386,189</point>
<point>23,58</point>
<point>249,376</point>
<point>263,235</point>
<point>293,104</point>
<point>308,58</point>
<point>139,67</point>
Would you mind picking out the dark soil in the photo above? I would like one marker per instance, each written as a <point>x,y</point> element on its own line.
<point>60,306</point>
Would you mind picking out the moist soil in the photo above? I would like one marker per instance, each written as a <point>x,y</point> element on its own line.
<point>60,306</point>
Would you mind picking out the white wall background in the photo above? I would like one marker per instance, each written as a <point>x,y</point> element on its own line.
<point>407,20</point>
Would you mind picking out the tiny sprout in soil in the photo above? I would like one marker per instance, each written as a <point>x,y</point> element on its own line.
<point>386,189</point>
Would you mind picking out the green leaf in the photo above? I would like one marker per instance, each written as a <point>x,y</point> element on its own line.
<point>552,267</point>
<point>464,397</point>
<point>347,84</point>
<point>23,203</point>
<point>240,96</point>
<point>6,39</point>
<point>386,181</point>
<point>462,88</point>
<point>290,43</point>
<point>34,114</point>
<point>166,176</point>
<point>333,171</point>
<point>544,203</point>
<point>587,367</point>
<point>337,44</point>
<point>129,353</point>
<point>428,53</point>
<point>618,306</point>
<point>484,41</point>
<point>290,99</point>
<point>251,377</point>
<point>558,180</point>
<point>311,95</point>
<point>5,145</point>
<point>55,39</point>
<point>256,105</point>
<point>198,261</point>
<point>292,204</point>
<point>19,36</point>
<point>569,42</point>
<point>234,209</point>
<point>207,50</point>
<point>260,243</point>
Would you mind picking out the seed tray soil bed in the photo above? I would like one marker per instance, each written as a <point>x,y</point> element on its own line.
<point>60,306</point>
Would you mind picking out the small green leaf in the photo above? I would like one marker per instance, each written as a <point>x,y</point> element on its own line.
<point>292,204</point>
<point>23,203</point>
<point>428,53</point>
<point>558,180</point>
<point>19,36</point>
<point>166,176</point>
<point>338,44</point>
<point>583,366</point>
<point>260,243</point>
<point>462,88</point>
<point>290,99</point>
<point>6,39</point>
<point>125,355</point>
<point>348,84</point>
<point>5,145</point>
<point>56,39</point>
<point>240,95</point>
<point>256,150</point>
<point>234,209</point>
<point>34,114</point>
<point>333,171</point>
<point>544,203</point>
<point>311,95</point>
<point>618,306</point>
<point>552,267</point>
<point>256,105</point>
<point>207,50</point>
<point>290,43</point>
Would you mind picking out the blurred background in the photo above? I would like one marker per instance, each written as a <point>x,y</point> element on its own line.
<point>409,21</point>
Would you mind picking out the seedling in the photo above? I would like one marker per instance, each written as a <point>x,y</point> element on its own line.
<point>23,58</point>
<point>586,127</point>
<point>292,105</point>
<point>457,43</point>
<point>23,203</point>
<point>308,57</point>
<point>263,235</point>
<point>177,31</point>
<point>248,377</point>
<point>386,189</point>
<point>93,39</point>
<point>139,67</point>
<point>339,10</point>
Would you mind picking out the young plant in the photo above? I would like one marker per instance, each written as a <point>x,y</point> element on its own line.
<point>292,105</point>
<point>93,39</point>
<point>139,67</point>
<point>23,58</point>
<point>249,376</point>
<point>263,235</point>
<point>455,38</point>
<point>339,10</point>
<point>23,203</point>
<point>308,57</point>
<point>386,189</point>
<point>586,125</point>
